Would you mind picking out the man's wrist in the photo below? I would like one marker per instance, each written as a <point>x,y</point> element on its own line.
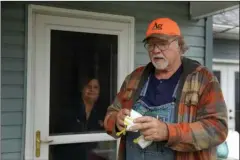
<point>166,132</point>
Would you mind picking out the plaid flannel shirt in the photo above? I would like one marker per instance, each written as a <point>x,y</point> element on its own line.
<point>201,112</point>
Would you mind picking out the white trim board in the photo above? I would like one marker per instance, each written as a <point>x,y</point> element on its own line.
<point>230,61</point>
<point>68,13</point>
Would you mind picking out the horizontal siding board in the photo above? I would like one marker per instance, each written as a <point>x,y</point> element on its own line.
<point>12,77</point>
<point>12,105</point>
<point>9,132</point>
<point>12,118</point>
<point>16,38</point>
<point>13,25</point>
<point>142,59</point>
<point>13,11</point>
<point>12,51</point>
<point>192,31</point>
<point>226,49</point>
<point>12,64</point>
<point>11,156</point>
<point>11,145</point>
<point>12,91</point>
<point>195,52</point>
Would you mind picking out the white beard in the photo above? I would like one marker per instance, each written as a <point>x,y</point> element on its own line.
<point>160,64</point>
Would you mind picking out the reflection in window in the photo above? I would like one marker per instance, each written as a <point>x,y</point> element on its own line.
<point>237,107</point>
<point>82,81</point>
<point>84,151</point>
<point>218,75</point>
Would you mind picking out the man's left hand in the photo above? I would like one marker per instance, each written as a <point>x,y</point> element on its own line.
<point>151,128</point>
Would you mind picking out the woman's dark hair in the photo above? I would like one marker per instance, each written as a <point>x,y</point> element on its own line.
<point>86,79</point>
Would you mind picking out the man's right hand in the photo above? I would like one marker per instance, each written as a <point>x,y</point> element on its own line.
<point>120,118</point>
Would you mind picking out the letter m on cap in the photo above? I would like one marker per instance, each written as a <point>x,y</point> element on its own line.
<point>157,26</point>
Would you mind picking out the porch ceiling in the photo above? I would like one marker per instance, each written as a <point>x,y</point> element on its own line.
<point>226,25</point>
<point>203,9</point>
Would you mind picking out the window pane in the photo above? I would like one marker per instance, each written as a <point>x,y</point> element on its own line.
<point>83,151</point>
<point>218,75</point>
<point>83,81</point>
<point>237,108</point>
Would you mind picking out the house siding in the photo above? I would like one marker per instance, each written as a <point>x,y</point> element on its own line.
<point>14,53</point>
<point>226,49</point>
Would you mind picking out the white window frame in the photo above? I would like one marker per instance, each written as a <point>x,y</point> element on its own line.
<point>68,13</point>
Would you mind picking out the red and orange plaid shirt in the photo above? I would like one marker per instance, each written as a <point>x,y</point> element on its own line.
<point>201,113</point>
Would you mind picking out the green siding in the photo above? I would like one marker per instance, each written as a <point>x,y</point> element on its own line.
<point>226,49</point>
<point>14,59</point>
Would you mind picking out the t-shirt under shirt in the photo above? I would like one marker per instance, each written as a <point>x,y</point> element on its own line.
<point>160,92</point>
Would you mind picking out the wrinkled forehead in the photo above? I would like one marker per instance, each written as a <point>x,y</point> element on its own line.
<point>157,40</point>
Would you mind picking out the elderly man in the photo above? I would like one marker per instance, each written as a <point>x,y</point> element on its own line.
<point>184,112</point>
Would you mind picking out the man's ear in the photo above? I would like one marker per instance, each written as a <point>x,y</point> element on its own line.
<point>177,44</point>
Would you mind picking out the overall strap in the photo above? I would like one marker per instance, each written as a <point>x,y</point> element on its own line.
<point>145,87</point>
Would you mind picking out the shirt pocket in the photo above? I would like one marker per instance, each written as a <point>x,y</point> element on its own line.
<point>191,99</point>
<point>191,106</point>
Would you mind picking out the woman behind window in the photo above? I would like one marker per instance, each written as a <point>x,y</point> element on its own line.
<point>86,115</point>
<point>92,113</point>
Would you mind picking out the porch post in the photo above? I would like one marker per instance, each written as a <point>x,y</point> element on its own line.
<point>208,58</point>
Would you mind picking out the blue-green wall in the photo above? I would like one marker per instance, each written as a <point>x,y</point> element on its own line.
<point>14,53</point>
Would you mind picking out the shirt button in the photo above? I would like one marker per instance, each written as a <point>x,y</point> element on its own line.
<point>160,81</point>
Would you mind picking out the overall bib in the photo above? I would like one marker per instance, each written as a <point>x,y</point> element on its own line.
<point>155,151</point>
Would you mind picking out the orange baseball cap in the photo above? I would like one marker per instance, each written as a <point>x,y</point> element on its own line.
<point>162,26</point>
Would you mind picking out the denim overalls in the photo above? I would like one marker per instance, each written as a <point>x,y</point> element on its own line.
<point>156,151</point>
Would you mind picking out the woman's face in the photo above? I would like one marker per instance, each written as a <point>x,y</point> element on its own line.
<point>91,90</point>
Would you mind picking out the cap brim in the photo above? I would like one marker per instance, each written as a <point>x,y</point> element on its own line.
<point>159,36</point>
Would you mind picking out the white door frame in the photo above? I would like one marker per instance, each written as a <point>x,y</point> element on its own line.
<point>125,65</point>
<point>227,69</point>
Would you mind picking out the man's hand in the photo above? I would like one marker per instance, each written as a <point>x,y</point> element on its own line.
<point>151,128</point>
<point>120,118</point>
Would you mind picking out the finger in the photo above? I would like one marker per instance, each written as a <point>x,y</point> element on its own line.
<point>126,112</point>
<point>141,126</point>
<point>143,119</point>
<point>120,128</point>
<point>149,138</point>
<point>122,117</point>
<point>120,122</point>
<point>148,132</point>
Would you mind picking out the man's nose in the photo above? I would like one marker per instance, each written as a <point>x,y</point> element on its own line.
<point>156,50</point>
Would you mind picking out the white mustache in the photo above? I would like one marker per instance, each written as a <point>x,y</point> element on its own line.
<point>159,56</point>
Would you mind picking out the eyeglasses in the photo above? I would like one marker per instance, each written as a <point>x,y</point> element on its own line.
<point>161,46</point>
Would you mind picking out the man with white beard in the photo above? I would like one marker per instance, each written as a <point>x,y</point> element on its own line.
<point>184,115</point>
